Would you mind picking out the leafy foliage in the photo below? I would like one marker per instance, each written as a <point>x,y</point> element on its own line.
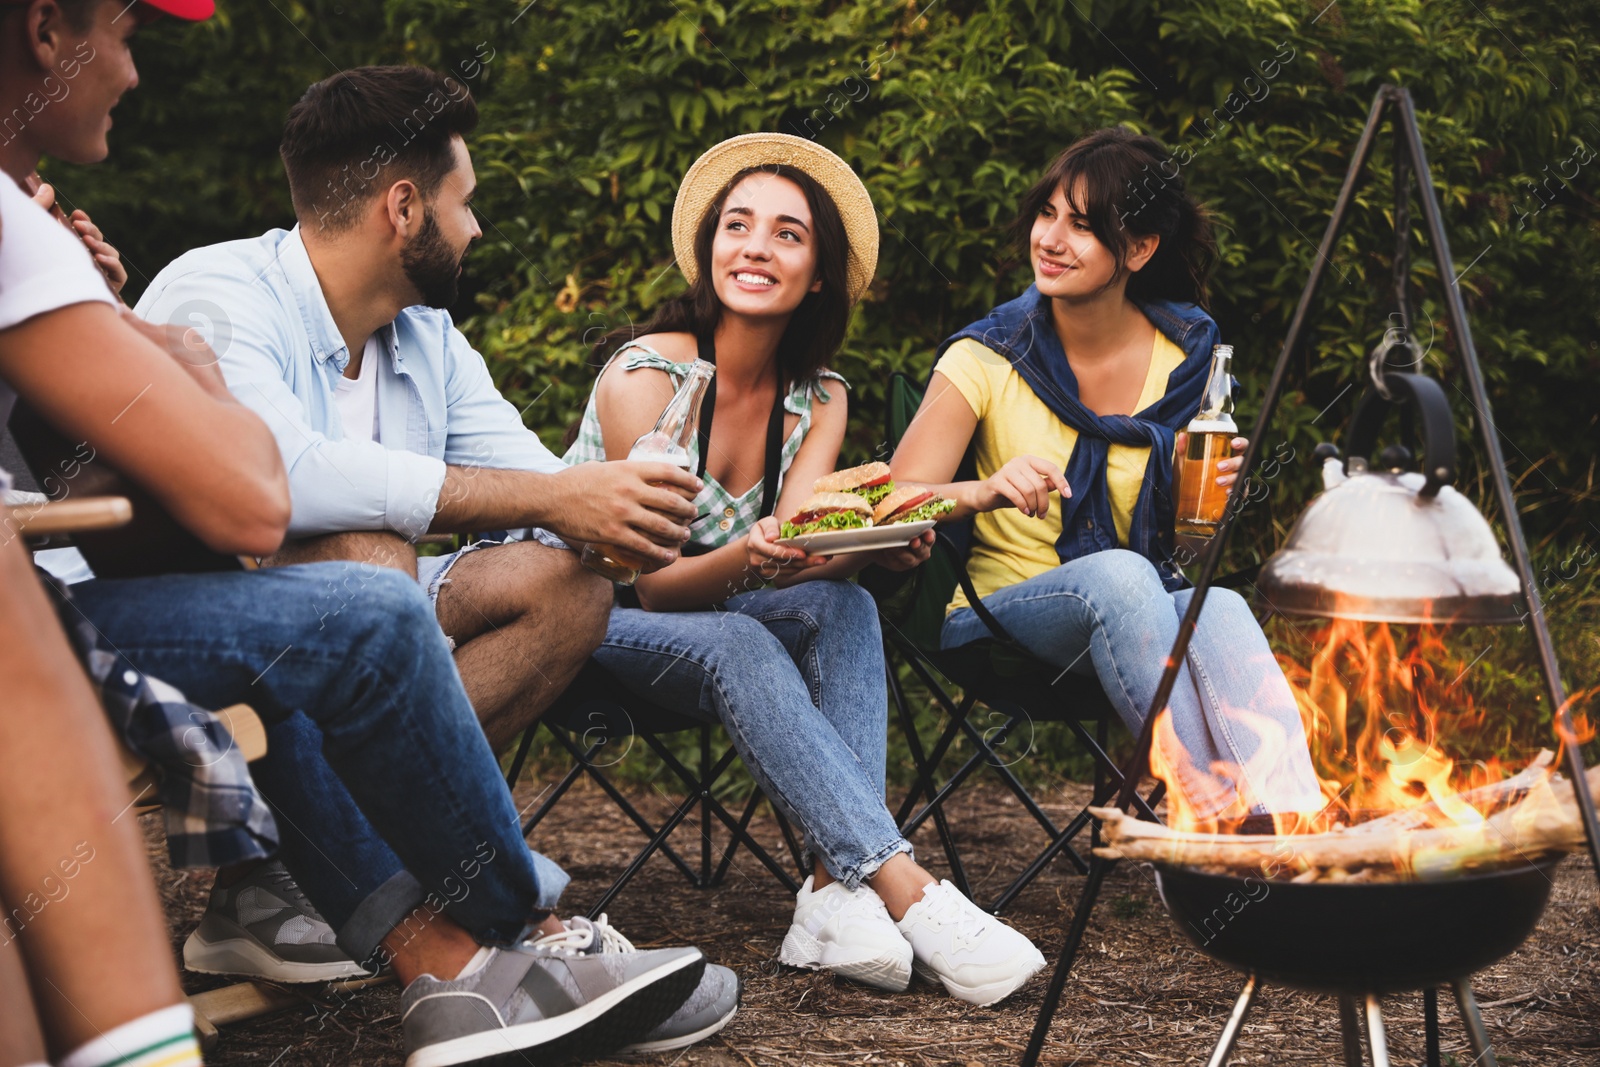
<point>593,109</point>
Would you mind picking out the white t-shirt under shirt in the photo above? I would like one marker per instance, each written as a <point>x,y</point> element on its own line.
<point>357,398</point>
<point>42,267</point>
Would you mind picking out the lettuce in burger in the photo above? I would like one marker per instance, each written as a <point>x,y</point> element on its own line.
<point>911,503</point>
<point>829,511</point>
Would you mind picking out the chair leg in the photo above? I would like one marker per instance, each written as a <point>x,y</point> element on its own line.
<point>953,783</point>
<point>628,809</point>
<point>941,747</point>
<point>789,838</point>
<point>1104,791</point>
<point>705,808</point>
<point>691,781</point>
<point>1101,736</point>
<point>986,748</point>
<point>924,780</point>
<point>733,843</point>
<point>521,757</point>
<point>658,842</point>
<point>556,794</point>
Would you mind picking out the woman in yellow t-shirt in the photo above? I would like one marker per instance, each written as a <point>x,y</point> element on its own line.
<point>1078,388</point>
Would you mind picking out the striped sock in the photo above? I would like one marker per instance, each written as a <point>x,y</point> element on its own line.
<point>163,1038</point>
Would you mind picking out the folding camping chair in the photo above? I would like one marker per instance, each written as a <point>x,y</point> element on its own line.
<point>997,672</point>
<point>594,714</point>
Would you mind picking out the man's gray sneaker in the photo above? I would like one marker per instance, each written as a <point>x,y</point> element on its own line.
<point>264,927</point>
<point>530,1005</point>
<point>709,1008</point>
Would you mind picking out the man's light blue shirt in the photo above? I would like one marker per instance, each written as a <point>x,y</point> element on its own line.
<point>260,305</point>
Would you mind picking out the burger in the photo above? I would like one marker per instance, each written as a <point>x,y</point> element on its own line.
<point>829,511</point>
<point>911,503</point>
<point>870,481</point>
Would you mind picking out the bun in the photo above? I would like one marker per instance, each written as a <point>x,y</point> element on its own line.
<point>851,478</point>
<point>824,502</point>
<point>905,496</point>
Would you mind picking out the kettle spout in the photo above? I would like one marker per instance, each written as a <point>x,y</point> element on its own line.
<point>1333,472</point>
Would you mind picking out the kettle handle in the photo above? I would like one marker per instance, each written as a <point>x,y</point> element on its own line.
<point>1427,397</point>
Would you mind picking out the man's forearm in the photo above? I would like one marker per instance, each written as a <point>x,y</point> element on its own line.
<point>488,498</point>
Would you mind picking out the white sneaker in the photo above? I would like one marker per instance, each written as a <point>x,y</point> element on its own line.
<point>848,933</point>
<point>977,957</point>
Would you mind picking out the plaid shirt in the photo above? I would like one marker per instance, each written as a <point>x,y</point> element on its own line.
<point>724,518</point>
<point>214,816</point>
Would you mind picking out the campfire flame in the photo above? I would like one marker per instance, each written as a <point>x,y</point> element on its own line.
<point>1383,711</point>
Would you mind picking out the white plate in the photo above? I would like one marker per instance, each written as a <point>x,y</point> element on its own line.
<point>843,542</point>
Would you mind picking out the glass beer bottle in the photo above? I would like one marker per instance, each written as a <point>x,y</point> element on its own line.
<point>669,442</point>
<point>1201,501</point>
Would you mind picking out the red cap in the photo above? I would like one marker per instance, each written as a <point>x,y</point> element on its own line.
<point>193,10</point>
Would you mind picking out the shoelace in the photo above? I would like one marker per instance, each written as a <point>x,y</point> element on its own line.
<point>580,937</point>
<point>279,876</point>
<point>946,907</point>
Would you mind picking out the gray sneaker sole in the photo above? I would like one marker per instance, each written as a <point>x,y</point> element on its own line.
<point>587,1032</point>
<point>670,1044</point>
<point>245,957</point>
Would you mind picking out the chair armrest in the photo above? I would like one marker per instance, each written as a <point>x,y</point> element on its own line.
<point>985,616</point>
<point>71,516</point>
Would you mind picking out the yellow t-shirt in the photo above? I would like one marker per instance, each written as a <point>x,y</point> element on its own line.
<point>1008,546</point>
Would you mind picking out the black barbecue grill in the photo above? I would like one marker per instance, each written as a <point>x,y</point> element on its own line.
<point>1357,941</point>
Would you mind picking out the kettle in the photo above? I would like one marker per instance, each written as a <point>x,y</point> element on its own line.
<point>1391,545</point>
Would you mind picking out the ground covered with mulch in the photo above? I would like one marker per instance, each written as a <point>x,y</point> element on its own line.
<point>1140,994</point>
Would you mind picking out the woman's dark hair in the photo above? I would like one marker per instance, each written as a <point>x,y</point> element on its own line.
<point>1131,187</point>
<point>816,329</point>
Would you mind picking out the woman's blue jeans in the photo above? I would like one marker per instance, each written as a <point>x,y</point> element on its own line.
<point>1107,615</point>
<point>386,794</point>
<point>796,677</point>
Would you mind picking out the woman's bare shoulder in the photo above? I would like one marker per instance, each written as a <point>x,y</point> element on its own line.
<point>678,347</point>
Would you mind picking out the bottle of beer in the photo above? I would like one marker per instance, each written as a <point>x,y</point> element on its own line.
<point>669,442</point>
<point>1201,501</point>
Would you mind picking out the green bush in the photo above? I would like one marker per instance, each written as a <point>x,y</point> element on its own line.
<point>593,109</point>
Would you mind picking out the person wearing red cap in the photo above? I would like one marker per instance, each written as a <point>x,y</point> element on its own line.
<point>77,902</point>
<point>80,65</point>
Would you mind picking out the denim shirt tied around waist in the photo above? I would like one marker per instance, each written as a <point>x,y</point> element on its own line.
<point>1023,332</point>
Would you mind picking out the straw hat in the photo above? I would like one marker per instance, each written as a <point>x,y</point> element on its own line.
<point>712,172</point>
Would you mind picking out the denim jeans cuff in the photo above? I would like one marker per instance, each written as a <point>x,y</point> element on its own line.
<point>854,876</point>
<point>552,880</point>
<point>383,910</point>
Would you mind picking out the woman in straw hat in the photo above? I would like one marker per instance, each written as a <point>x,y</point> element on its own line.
<point>1079,389</point>
<point>778,239</point>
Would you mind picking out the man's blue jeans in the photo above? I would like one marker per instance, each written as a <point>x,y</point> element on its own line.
<point>796,676</point>
<point>1107,615</point>
<point>386,793</point>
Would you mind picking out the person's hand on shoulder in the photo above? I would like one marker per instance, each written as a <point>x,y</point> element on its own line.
<point>106,257</point>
